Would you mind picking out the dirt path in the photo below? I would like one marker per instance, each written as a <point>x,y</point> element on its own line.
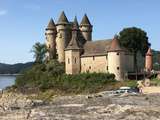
<point>149,90</point>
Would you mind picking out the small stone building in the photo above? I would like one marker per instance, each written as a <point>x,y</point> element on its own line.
<point>72,44</point>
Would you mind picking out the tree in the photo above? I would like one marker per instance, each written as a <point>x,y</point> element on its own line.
<point>39,51</point>
<point>135,40</point>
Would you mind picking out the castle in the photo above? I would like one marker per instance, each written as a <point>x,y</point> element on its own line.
<point>72,44</point>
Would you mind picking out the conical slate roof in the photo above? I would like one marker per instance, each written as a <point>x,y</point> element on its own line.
<point>62,19</point>
<point>149,52</point>
<point>75,24</point>
<point>51,25</point>
<point>115,46</point>
<point>85,21</point>
<point>73,44</point>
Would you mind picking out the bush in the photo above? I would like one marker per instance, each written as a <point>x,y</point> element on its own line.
<point>51,76</point>
<point>155,82</point>
<point>39,75</point>
<point>85,82</point>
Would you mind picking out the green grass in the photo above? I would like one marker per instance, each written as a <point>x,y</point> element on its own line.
<point>130,83</point>
<point>155,82</point>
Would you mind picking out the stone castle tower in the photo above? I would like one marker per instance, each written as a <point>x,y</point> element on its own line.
<point>63,36</point>
<point>59,35</point>
<point>149,60</point>
<point>51,33</point>
<point>116,59</point>
<point>86,28</point>
<point>72,52</point>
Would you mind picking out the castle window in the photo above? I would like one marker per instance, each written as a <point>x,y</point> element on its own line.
<point>117,68</point>
<point>75,60</point>
<point>93,58</point>
<point>89,67</point>
<point>117,53</point>
<point>68,61</point>
<point>107,67</point>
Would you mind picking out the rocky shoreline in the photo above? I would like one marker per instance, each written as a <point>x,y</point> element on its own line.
<point>101,106</point>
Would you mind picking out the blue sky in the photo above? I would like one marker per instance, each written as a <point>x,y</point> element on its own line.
<point>23,22</point>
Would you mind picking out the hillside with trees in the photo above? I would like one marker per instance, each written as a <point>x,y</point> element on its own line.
<point>15,68</point>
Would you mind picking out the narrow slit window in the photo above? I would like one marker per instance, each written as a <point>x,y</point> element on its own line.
<point>106,56</point>
<point>117,68</point>
<point>93,58</point>
<point>68,61</point>
<point>75,60</point>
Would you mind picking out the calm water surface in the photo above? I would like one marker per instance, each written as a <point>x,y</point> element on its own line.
<point>6,81</point>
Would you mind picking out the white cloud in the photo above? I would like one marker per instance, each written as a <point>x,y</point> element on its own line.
<point>3,12</point>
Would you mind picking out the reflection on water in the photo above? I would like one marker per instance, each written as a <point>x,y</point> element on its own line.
<point>6,81</point>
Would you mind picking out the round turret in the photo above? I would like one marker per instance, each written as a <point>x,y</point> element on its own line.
<point>63,36</point>
<point>51,33</point>
<point>149,60</point>
<point>115,60</point>
<point>86,28</point>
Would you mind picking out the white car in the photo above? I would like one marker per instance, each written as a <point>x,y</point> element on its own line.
<point>122,90</point>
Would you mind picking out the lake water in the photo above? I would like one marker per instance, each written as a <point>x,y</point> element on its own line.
<point>6,81</point>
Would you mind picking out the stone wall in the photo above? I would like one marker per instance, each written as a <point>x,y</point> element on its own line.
<point>94,64</point>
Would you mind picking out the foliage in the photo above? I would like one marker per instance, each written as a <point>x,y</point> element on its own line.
<point>156,56</point>
<point>39,51</point>
<point>156,66</point>
<point>40,74</point>
<point>51,76</point>
<point>135,40</point>
<point>156,60</point>
<point>130,83</point>
<point>155,82</point>
<point>85,82</point>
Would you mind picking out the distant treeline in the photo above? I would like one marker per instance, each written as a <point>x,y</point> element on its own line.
<point>15,68</point>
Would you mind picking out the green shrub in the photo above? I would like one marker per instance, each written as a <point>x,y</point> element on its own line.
<point>39,75</point>
<point>85,82</point>
<point>51,76</point>
<point>155,82</point>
